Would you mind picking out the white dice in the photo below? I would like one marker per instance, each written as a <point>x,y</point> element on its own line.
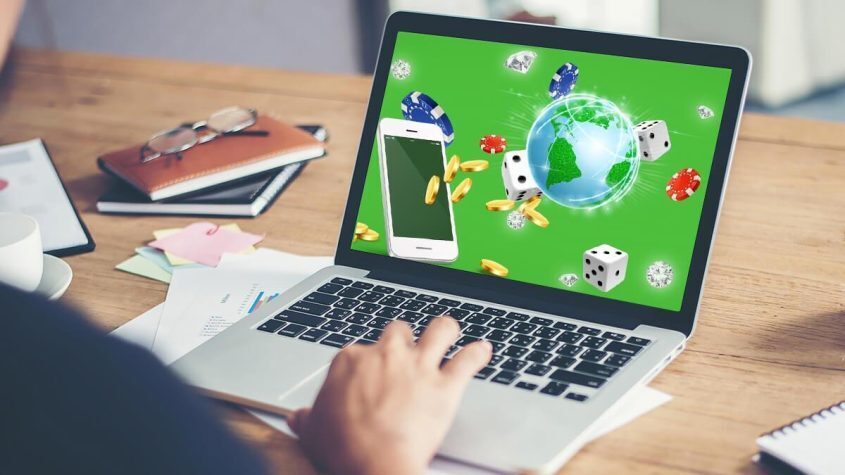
<point>654,139</point>
<point>604,267</point>
<point>519,184</point>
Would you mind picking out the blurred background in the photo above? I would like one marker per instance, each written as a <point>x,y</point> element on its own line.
<point>799,68</point>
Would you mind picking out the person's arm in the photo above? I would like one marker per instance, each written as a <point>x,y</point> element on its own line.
<point>385,408</point>
<point>10,12</point>
<point>76,401</point>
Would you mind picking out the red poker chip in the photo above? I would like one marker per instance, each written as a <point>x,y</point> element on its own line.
<point>683,184</point>
<point>493,143</point>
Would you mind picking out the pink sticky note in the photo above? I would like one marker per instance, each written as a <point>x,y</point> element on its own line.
<point>205,242</point>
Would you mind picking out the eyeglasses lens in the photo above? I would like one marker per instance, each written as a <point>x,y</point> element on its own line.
<point>174,140</point>
<point>231,120</point>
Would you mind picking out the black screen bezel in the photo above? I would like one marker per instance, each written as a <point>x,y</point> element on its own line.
<point>530,296</point>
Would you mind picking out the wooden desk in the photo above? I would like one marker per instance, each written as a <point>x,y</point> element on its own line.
<point>770,344</point>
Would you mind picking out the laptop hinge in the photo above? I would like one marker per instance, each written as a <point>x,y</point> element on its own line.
<point>477,293</point>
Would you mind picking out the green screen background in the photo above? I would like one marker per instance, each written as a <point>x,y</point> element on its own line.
<point>481,96</point>
<point>410,165</point>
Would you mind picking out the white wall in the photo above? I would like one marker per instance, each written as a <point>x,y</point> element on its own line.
<point>317,35</point>
<point>796,44</point>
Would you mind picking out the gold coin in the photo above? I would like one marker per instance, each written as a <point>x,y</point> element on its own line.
<point>361,228</point>
<point>461,190</point>
<point>452,169</point>
<point>532,203</point>
<point>369,235</point>
<point>432,189</point>
<point>494,268</point>
<point>535,217</point>
<point>474,166</point>
<point>500,205</point>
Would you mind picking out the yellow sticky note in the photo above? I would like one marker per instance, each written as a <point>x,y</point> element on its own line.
<point>179,261</point>
<point>139,265</point>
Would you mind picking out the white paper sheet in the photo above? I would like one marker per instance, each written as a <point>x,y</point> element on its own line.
<point>141,330</point>
<point>201,302</point>
<point>34,188</point>
<point>272,260</point>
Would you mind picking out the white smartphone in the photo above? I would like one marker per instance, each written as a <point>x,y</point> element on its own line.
<point>410,153</point>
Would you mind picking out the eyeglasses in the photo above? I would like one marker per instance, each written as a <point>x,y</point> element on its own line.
<point>228,121</point>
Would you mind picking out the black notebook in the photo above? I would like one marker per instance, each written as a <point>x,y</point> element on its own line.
<point>246,197</point>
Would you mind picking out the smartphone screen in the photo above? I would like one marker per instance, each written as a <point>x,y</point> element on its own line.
<point>411,162</point>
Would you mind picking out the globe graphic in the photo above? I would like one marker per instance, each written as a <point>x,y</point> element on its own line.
<point>583,152</point>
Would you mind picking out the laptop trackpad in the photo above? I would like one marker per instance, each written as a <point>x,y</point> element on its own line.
<point>304,394</point>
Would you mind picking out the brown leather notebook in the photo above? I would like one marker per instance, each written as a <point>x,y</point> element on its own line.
<point>219,161</point>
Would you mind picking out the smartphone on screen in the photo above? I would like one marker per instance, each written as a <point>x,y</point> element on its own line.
<point>410,153</point>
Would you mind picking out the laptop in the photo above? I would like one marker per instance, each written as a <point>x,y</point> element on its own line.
<point>555,191</point>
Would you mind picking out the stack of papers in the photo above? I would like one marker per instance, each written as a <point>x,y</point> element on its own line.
<point>204,300</point>
<point>195,246</point>
<point>216,298</point>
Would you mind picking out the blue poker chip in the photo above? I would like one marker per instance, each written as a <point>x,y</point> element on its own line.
<point>563,81</point>
<point>420,107</point>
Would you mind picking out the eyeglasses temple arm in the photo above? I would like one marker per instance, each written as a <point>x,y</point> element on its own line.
<point>254,133</point>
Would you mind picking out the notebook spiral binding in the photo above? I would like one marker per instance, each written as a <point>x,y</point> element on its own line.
<point>807,420</point>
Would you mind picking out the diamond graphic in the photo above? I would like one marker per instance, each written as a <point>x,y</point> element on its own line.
<point>705,112</point>
<point>400,69</point>
<point>516,220</point>
<point>521,61</point>
<point>568,279</point>
<point>659,274</point>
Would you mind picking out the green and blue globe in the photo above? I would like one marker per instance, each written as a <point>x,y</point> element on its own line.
<point>583,152</point>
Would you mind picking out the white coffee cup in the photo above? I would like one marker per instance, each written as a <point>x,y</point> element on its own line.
<point>21,254</point>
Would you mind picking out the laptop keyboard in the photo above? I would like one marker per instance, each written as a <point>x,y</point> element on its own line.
<point>531,353</point>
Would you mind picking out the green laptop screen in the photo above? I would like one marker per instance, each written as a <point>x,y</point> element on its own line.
<point>595,170</point>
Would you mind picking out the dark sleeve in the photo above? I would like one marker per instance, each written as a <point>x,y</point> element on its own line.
<point>73,400</point>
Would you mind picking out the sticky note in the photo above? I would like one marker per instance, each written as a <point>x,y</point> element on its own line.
<point>138,265</point>
<point>157,257</point>
<point>179,261</point>
<point>205,243</point>
<point>174,260</point>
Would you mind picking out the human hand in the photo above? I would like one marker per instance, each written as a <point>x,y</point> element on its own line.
<point>385,408</point>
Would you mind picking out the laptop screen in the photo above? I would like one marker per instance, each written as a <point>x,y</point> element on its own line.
<point>572,170</point>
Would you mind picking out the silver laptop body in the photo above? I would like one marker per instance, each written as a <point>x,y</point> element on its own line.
<point>499,425</point>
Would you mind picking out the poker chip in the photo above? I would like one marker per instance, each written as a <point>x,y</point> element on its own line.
<point>683,184</point>
<point>420,107</point>
<point>563,81</point>
<point>493,143</point>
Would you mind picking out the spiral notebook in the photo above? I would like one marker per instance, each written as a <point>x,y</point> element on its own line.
<point>812,445</point>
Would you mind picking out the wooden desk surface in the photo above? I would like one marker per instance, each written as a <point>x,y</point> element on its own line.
<point>770,343</point>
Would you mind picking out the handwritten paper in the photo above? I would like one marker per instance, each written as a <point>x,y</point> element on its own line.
<point>205,243</point>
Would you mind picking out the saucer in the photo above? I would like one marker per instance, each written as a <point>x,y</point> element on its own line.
<point>56,278</point>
